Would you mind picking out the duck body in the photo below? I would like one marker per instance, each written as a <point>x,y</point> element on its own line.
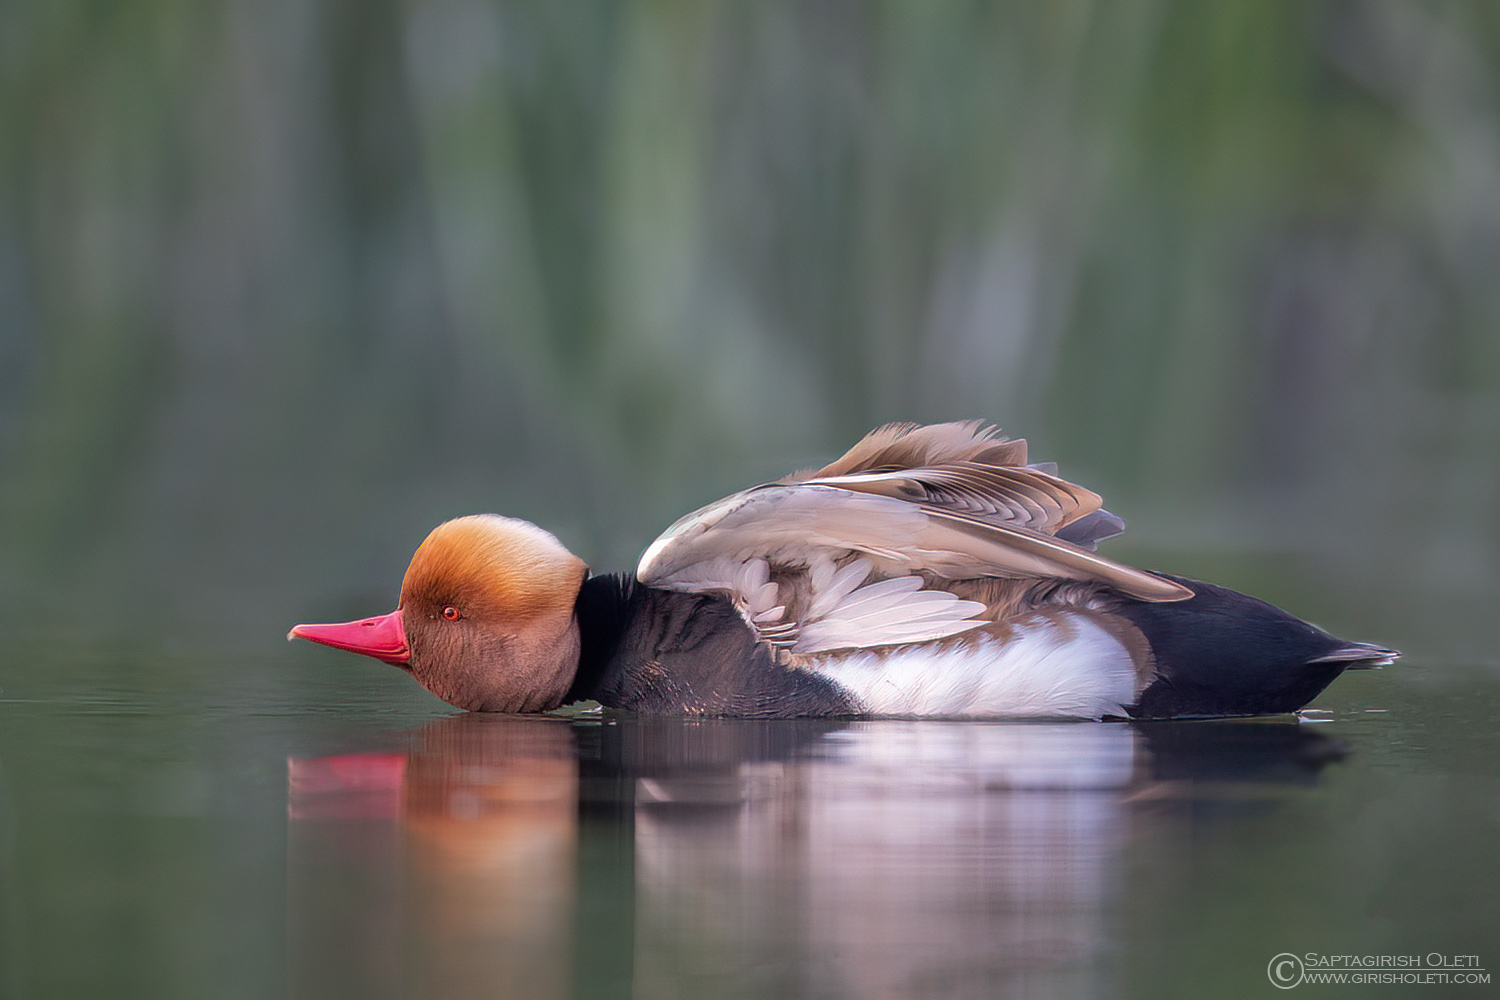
<point>928,572</point>
<point>1219,653</point>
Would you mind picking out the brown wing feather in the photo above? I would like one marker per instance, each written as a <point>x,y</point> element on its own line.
<point>966,468</point>
<point>1006,550</point>
<point>914,446</point>
<point>987,492</point>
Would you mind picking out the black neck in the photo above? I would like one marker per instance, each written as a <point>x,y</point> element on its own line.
<point>603,610</point>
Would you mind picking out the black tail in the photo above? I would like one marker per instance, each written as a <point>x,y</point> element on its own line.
<point>1225,653</point>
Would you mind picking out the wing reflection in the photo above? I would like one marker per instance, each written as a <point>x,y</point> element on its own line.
<point>664,857</point>
<point>897,859</point>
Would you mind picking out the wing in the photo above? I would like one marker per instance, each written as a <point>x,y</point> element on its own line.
<point>833,541</point>
<point>842,556</point>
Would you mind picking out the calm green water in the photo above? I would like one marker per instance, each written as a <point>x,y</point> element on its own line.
<point>359,841</point>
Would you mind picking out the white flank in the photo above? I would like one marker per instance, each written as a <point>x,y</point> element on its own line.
<point>1044,669</point>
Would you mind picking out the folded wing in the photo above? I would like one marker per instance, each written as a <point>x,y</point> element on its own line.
<point>845,556</point>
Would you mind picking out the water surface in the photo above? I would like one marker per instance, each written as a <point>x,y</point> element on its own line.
<point>364,842</point>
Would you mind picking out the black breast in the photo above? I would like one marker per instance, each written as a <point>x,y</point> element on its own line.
<point>658,652</point>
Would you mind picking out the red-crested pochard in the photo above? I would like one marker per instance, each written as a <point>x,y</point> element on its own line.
<point>928,572</point>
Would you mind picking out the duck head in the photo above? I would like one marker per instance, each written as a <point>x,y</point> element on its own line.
<point>485,620</point>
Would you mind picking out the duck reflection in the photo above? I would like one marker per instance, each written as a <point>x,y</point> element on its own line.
<point>668,857</point>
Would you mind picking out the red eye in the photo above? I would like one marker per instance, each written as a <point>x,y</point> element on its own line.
<point>451,613</point>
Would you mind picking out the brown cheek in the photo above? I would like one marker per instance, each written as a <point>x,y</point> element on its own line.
<point>458,662</point>
<point>437,648</point>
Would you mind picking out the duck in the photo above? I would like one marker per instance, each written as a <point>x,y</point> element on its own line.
<point>932,571</point>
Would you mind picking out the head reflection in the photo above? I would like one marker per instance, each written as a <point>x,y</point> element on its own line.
<point>477,874</point>
<point>491,818</point>
<point>662,857</point>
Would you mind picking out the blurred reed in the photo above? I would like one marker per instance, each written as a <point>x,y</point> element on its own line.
<point>284,283</point>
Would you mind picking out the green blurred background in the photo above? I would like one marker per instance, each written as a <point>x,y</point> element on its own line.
<point>285,283</point>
